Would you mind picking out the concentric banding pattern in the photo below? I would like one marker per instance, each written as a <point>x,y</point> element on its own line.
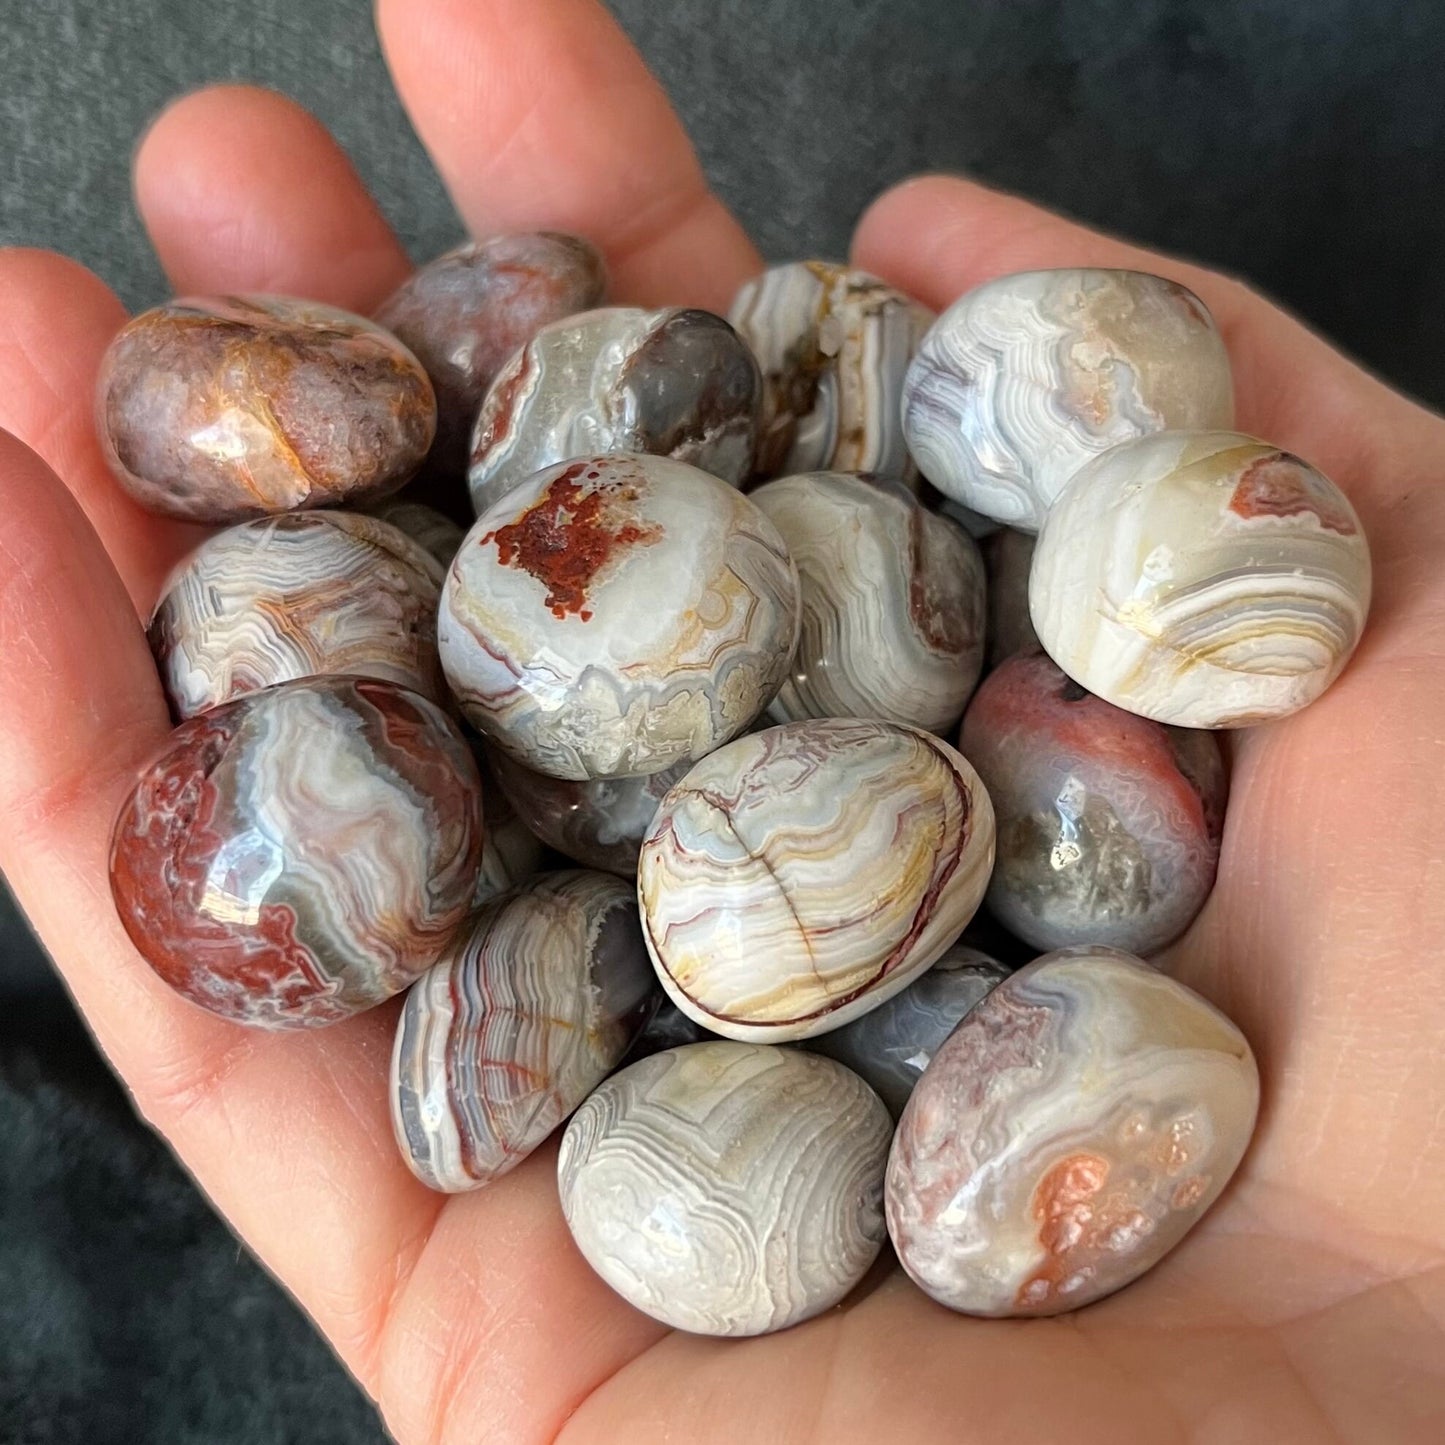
<point>1069,1133</point>
<point>617,616</point>
<point>600,823</point>
<point>890,1046</point>
<point>1024,379</point>
<point>301,854</point>
<point>801,875</point>
<point>893,602</point>
<point>303,595</point>
<point>1108,824</point>
<point>217,409</point>
<point>725,1188</point>
<point>526,1014</point>
<point>1205,579</point>
<point>677,383</point>
<point>465,314</point>
<point>834,345</point>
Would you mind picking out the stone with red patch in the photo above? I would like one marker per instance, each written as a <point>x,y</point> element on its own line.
<point>301,854</point>
<point>1281,485</point>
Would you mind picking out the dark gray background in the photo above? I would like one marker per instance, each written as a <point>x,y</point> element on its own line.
<point>1300,143</point>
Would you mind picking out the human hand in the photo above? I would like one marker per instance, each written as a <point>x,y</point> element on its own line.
<point>1310,1302</point>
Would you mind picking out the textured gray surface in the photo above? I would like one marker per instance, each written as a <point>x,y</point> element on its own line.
<point>1299,142</point>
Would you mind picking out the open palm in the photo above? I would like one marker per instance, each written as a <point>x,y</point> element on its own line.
<point>1310,1304</point>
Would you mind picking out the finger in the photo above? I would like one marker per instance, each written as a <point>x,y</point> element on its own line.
<point>242,189</point>
<point>539,113</point>
<point>288,1134</point>
<point>939,236</point>
<point>56,319</point>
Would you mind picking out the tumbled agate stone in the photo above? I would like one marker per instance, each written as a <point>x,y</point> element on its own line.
<point>300,854</point>
<point>526,1013</point>
<point>511,851</point>
<point>424,525</point>
<point>1108,824</point>
<point>617,616</point>
<point>1007,558</point>
<point>677,383</point>
<point>727,1188</point>
<point>802,875</point>
<point>890,1046</point>
<point>1205,579</point>
<point>465,313</point>
<point>1067,1135</point>
<point>834,345</point>
<point>893,602</point>
<point>1025,378</point>
<point>296,596</point>
<point>600,823</point>
<point>217,409</point>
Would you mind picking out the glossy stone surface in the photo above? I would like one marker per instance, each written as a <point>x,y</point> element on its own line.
<point>677,383</point>
<point>222,408</point>
<point>600,823</point>
<point>889,1047</point>
<point>424,525</point>
<point>616,616</point>
<point>1007,558</point>
<point>726,1188</point>
<point>893,602</point>
<point>511,851</point>
<point>1024,379</point>
<point>526,1013</point>
<point>1069,1133</point>
<point>301,854</point>
<point>834,345</point>
<point>1108,824</point>
<point>303,595</point>
<point>1205,579</point>
<point>465,313</point>
<point>800,876</point>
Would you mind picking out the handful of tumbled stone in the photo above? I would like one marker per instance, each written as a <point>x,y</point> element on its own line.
<point>702,651</point>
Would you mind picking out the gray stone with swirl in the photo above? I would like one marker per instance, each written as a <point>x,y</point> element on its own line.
<point>728,1189</point>
<point>1027,377</point>
<point>834,345</point>
<point>893,602</point>
<point>1069,1133</point>
<point>677,383</point>
<point>306,594</point>
<point>1205,579</point>
<point>600,823</point>
<point>617,616</point>
<point>527,1012</point>
<point>800,876</point>
<point>890,1047</point>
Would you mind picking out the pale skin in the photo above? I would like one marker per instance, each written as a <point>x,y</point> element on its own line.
<point>1309,1306</point>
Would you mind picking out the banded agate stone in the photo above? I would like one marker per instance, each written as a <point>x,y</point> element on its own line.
<point>533,1005</point>
<point>301,854</point>
<point>1205,579</point>
<point>726,1188</point>
<point>1067,1135</point>
<point>800,876</point>
<point>1027,377</point>
<point>301,595</point>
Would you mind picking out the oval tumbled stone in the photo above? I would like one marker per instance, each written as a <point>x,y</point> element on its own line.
<point>532,1005</point>
<point>217,409</point>
<point>1067,1135</point>
<point>798,877</point>
<point>725,1188</point>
